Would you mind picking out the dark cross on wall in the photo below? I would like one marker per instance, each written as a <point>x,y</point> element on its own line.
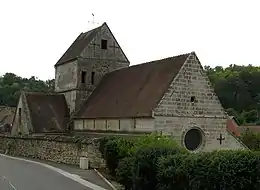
<point>115,47</point>
<point>220,139</point>
<point>94,48</point>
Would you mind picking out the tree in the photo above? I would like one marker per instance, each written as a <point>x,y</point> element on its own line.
<point>11,86</point>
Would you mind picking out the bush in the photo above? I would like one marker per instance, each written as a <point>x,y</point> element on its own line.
<point>142,166</point>
<point>114,150</point>
<point>153,140</point>
<point>102,143</point>
<point>124,172</point>
<point>232,170</point>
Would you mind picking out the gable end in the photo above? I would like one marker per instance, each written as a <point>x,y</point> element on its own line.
<point>190,94</point>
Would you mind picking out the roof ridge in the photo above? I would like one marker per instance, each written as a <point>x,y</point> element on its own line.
<point>179,55</point>
<point>149,62</point>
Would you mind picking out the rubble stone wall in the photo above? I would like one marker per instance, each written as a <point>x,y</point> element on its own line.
<point>59,149</point>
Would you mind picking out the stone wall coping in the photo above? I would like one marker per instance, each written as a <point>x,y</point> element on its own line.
<point>57,138</point>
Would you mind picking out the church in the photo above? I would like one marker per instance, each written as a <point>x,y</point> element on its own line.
<point>96,90</point>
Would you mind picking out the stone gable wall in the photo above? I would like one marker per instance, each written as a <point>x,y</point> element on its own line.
<point>26,125</point>
<point>113,51</point>
<point>59,149</point>
<point>191,81</point>
<point>176,114</point>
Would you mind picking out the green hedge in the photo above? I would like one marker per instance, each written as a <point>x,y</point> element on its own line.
<point>134,162</point>
<point>232,170</point>
<point>154,162</point>
<point>114,149</point>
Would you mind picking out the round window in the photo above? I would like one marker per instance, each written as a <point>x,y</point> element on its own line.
<point>193,139</point>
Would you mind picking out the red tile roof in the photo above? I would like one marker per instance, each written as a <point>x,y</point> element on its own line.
<point>132,92</point>
<point>233,127</point>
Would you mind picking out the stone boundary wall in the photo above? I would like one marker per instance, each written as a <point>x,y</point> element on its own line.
<point>59,149</point>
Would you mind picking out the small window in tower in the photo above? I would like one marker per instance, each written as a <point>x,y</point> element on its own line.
<point>20,115</point>
<point>92,77</point>
<point>103,44</point>
<point>20,112</point>
<point>83,77</point>
<point>192,99</point>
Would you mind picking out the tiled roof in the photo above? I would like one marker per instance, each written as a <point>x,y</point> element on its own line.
<point>78,46</point>
<point>49,112</point>
<point>233,127</point>
<point>132,91</point>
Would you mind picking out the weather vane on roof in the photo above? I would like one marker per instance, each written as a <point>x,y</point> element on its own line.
<point>93,23</point>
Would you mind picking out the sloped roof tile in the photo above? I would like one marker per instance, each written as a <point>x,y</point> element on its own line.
<point>49,112</point>
<point>132,92</point>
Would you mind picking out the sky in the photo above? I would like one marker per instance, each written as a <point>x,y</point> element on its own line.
<point>35,33</point>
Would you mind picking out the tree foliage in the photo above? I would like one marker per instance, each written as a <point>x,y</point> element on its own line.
<point>11,86</point>
<point>238,90</point>
<point>251,140</point>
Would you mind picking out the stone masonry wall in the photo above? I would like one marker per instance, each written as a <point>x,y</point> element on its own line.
<point>66,76</point>
<point>190,82</point>
<point>177,112</point>
<point>59,149</point>
<point>22,125</point>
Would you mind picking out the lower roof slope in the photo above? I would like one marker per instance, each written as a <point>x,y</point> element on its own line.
<point>132,92</point>
<point>49,112</point>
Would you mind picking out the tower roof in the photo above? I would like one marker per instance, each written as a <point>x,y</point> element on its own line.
<point>74,51</point>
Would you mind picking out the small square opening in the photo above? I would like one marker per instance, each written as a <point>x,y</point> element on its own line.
<point>20,112</point>
<point>83,77</point>
<point>192,99</point>
<point>103,44</point>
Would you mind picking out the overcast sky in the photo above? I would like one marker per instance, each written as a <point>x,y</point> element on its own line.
<point>35,33</point>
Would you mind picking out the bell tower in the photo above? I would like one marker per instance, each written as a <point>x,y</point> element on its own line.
<point>91,56</point>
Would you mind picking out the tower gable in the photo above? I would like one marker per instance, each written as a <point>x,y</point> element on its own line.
<point>191,94</point>
<point>104,46</point>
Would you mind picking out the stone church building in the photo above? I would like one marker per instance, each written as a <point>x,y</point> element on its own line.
<point>97,91</point>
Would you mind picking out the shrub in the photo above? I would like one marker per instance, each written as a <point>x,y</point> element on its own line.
<point>114,150</point>
<point>233,170</point>
<point>102,143</point>
<point>142,166</point>
<point>153,140</point>
<point>124,172</point>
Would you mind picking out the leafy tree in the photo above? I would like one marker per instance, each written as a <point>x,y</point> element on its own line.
<point>11,85</point>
